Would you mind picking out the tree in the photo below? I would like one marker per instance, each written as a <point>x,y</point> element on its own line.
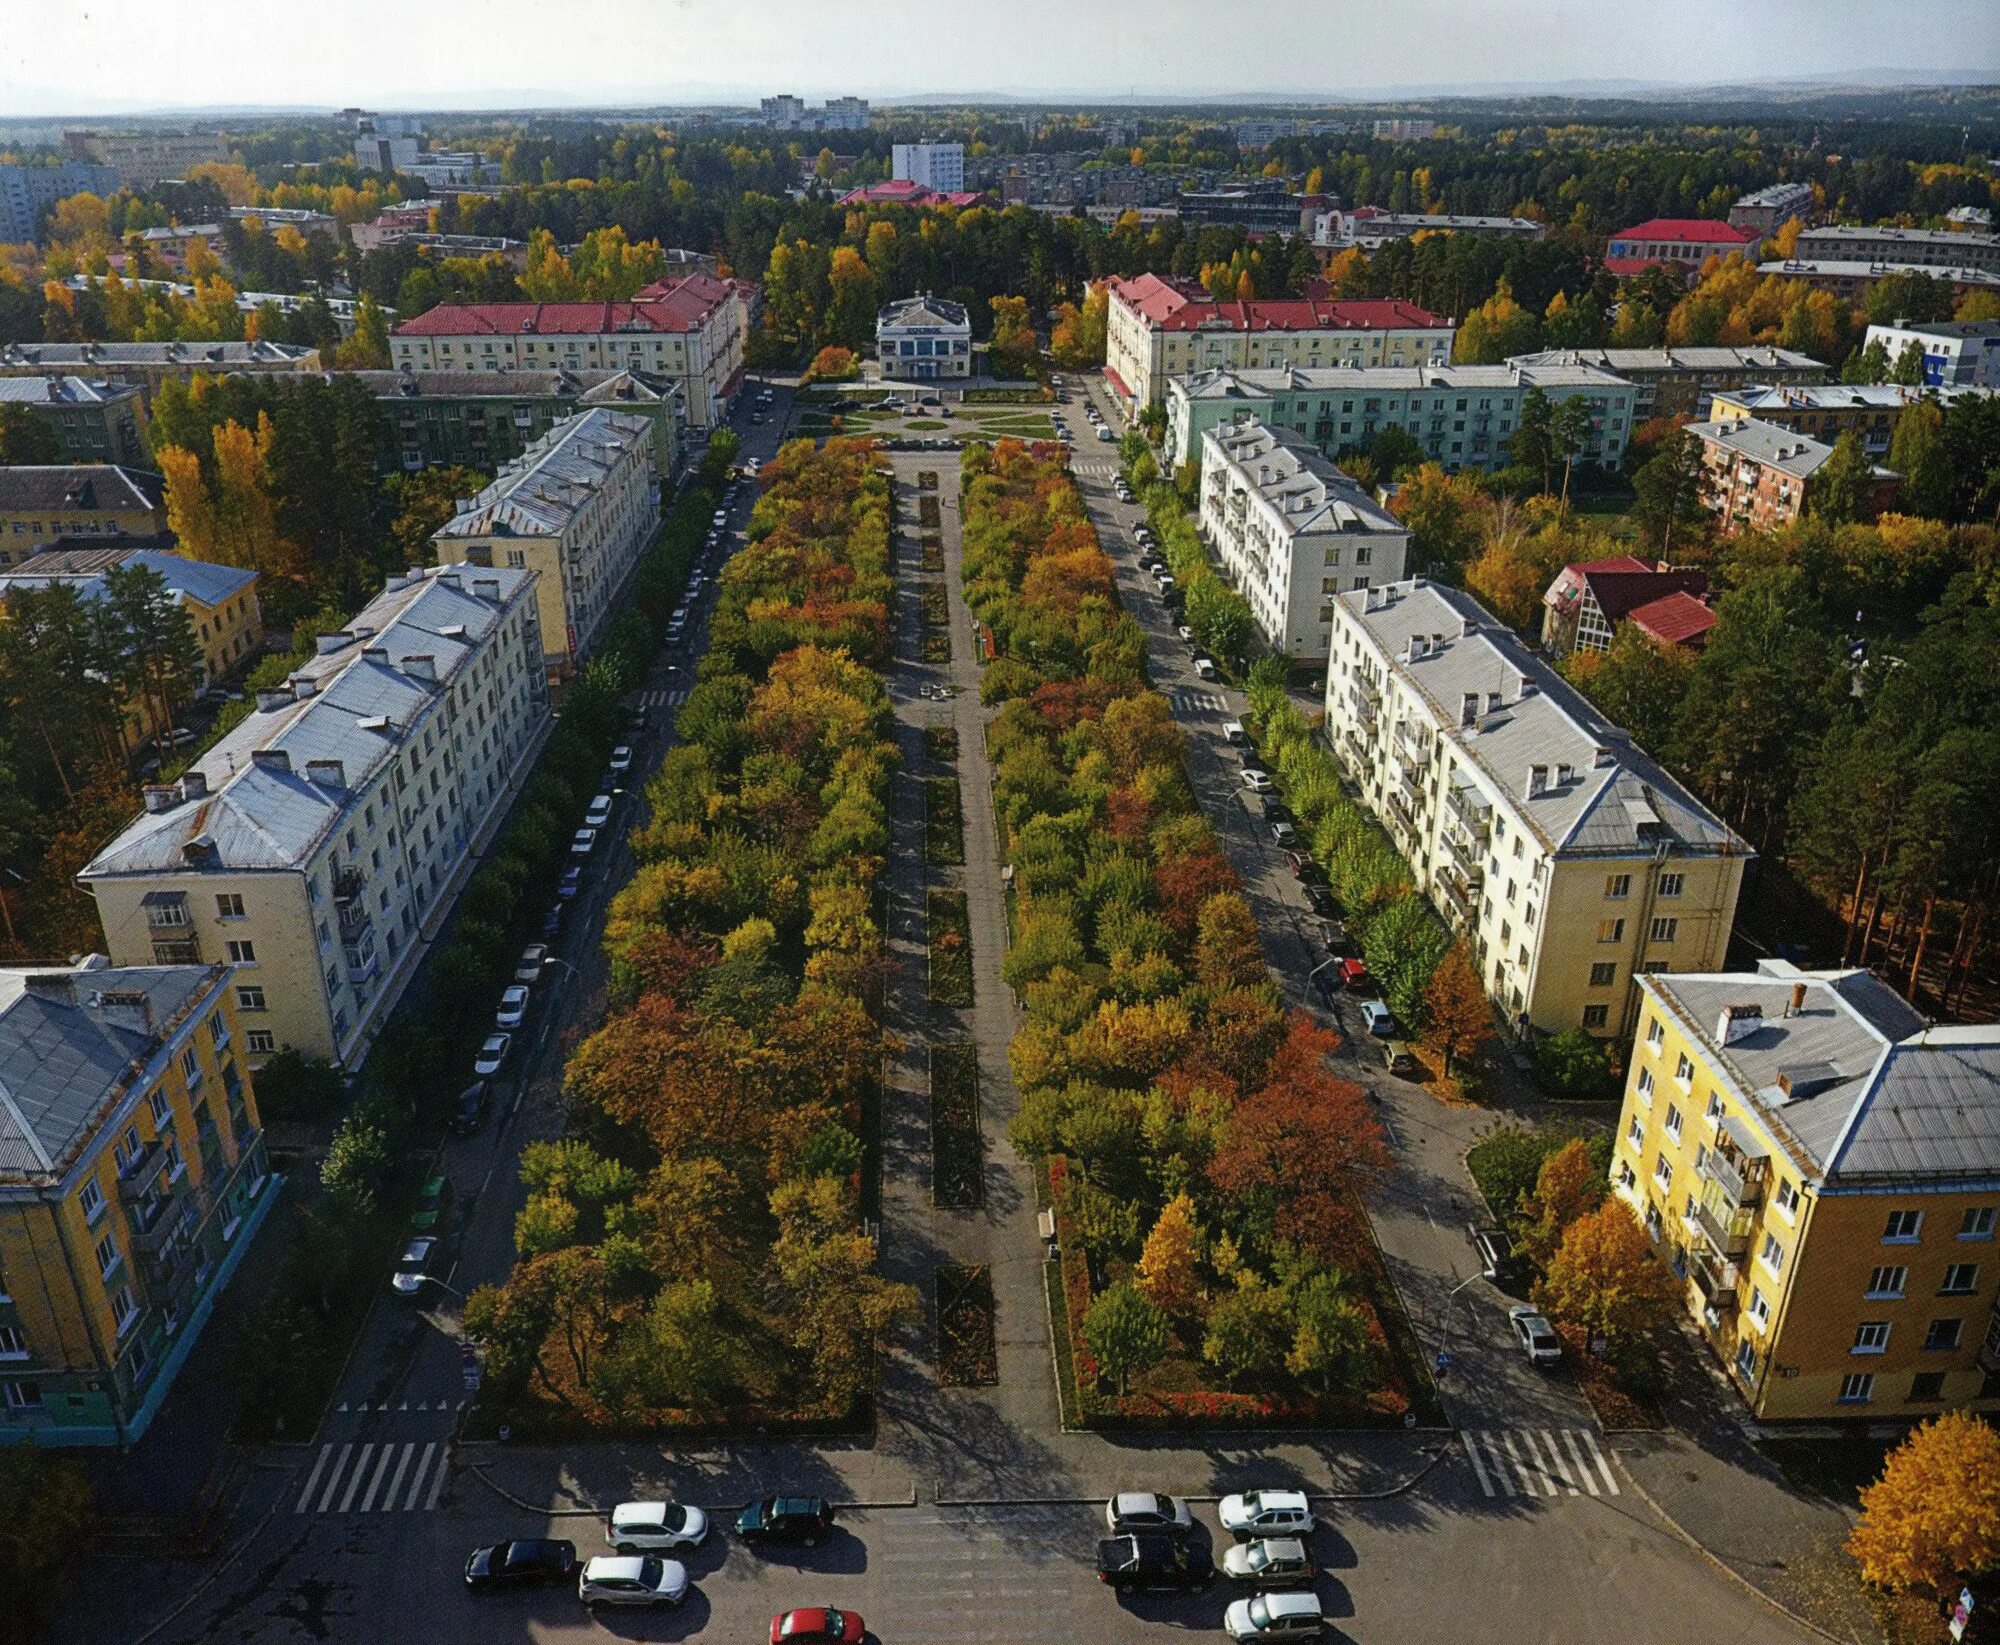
<point>425,502</point>
<point>1404,945</point>
<point>1638,683</point>
<point>1457,1016</point>
<point>1908,366</point>
<point>1078,339</point>
<point>1124,1332</point>
<point>1249,1332</point>
<point>1841,488</point>
<point>1933,1518</point>
<point>1330,1342</point>
<point>832,365</point>
<point>45,1512</point>
<point>1918,453</point>
<point>1532,444</point>
<point>1167,1265</point>
<point>25,439</point>
<point>1567,1187</point>
<point>157,661</point>
<point>1572,1067</point>
<point>1012,351</point>
<point>1569,433</point>
<point>1443,512</point>
<point>1671,493</point>
<point>368,348</point>
<point>1497,328</point>
<point>1227,953</point>
<point>1605,1278</point>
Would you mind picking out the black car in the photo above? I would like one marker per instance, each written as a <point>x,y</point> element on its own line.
<point>470,1112</point>
<point>552,923</point>
<point>1495,1249</point>
<point>1322,901</point>
<point>1153,1561</point>
<point>785,1519</point>
<point>1277,811</point>
<point>520,1565</point>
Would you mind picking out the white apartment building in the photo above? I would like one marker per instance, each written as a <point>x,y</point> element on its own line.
<point>320,843</point>
<point>1933,248</point>
<point>577,508</point>
<point>1567,859</point>
<point>1371,228</point>
<point>1290,531</point>
<point>1957,353</point>
<point>1770,209</point>
<point>937,166</point>
<point>688,327</point>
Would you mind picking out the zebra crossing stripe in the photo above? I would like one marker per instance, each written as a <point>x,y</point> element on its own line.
<point>375,1484</point>
<point>354,1482</point>
<point>1528,1487</point>
<point>1582,1468</point>
<point>1478,1468</point>
<point>1555,1455</point>
<point>437,1480</point>
<point>416,1484</point>
<point>333,1479</point>
<point>312,1478</point>
<point>396,1481</point>
<point>1590,1444</point>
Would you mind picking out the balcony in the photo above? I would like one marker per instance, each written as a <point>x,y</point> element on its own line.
<point>1463,897</point>
<point>354,919</point>
<point>346,884</point>
<point>1473,812</point>
<point>363,964</point>
<point>142,1173</point>
<point>1741,1180</point>
<point>176,950</point>
<point>1364,708</point>
<point>1404,812</point>
<point>152,1223</point>
<point>1716,1281</point>
<point>167,911</point>
<point>1989,1350</point>
<point>1726,1227</point>
<point>1467,855</point>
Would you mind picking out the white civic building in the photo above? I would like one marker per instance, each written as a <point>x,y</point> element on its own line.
<point>924,336</point>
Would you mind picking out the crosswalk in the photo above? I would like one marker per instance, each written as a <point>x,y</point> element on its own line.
<point>362,1477</point>
<point>1097,468</point>
<point>1539,1462</point>
<point>664,699</point>
<point>1187,699</point>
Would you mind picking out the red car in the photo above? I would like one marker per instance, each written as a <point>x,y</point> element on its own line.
<point>1354,974</point>
<point>820,1623</point>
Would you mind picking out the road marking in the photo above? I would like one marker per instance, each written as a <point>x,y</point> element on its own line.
<point>333,1479</point>
<point>1549,1486</point>
<point>437,1479</point>
<point>1590,1444</point>
<point>1562,1468</point>
<point>312,1479</point>
<point>375,1484</point>
<point>354,1484</point>
<point>1582,1467</point>
<point>417,1479</point>
<point>395,1484</point>
<point>1521,1473</point>
<point>1472,1452</point>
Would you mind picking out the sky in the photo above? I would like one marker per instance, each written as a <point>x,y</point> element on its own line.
<point>62,56</point>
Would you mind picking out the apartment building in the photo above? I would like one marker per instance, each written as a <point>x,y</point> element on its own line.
<point>1564,855</point>
<point>1682,242</point>
<point>1587,601</point>
<point>272,218</point>
<point>1289,531</point>
<point>1261,206</point>
<point>169,246</point>
<point>939,167</point>
<point>1159,329</point>
<point>904,192</point>
<point>789,113</point>
<point>482,419</point>
<point>151,364</point>
<point>1371,228</point>
<point>1760,476</point>
<point>1852,278</point>
<point>924,337</point>
<point>57,505</point>
<point>319,844</point>
<point>93,419</point>
<point>1869,411</point>
<point>1676,382</point>
<point>577,508</point>
<point>27,191</point>
<point>1956,353</point>
<point>1404,131</point>
<point>1463,416</point>
<point>405,217</point>
<point>687,328</point>
<point>1821,1167</point>
<point>1926,247</point>
<point>1767,210</point>
<point>132,1179</point>
<point>145,159</point>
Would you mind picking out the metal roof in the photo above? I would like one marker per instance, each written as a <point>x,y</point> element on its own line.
<point>79,486</point>
<point>1697,358</point>
<point>1799,455</point>
<point>1304,485</point>
<point>83,567</point>
<point>1256,383</point>
<point>541,491</point>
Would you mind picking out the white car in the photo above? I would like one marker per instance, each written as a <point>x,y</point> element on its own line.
<point>1275,1616</point>
<point>721,518</point>
<point>415,1267</point>
<point>1536,1336</point>
<point>1272,1562</point>
<point>599,813</point>
<point>1257,782</point>
<point>491,1055</point>
<point>1266,1513</point>
<point>513,1007</point>
<point>1133,1511</point>
<point>621,757</point>
<point>1204,668</point>
<point>581,843</point>
<point>655,1527</point>
<point>1185,632</point>
<point>632,1579</point>
<point>533,958</point>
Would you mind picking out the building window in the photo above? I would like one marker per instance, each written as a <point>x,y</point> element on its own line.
<point>250,999</point>
<point>1671,885</point>
<point>218,1030</point>
<point>228,905</point>
<point>1673,1122</point>
<point>1626,1178</point>
<point>1871,1337</point>
<point>1663,1172</point>
<point>1977,1223</point>
<point>1858,1388</point>
<point>1664,929</point>
<point>262,1042</point>
<point>1787,1196</point>
<point>123,1309</point>
<point>22,1396</point>
<point>91,1198</point>
<point>1943,1335</point>
<point>1610,930</point>
<point>1655,1034</point>
<point>1773,1254</point>
<point>1902,1227</point>
<point>1644,1086</point>
<point>1961,1279</point>
<point>1604,975</point>
<point>1746,1361</point>
<point>1635,1133</point>
<point>12,1344</point>
<point>1596,1016</point>
<point>243,953</point>
<point>1927,1385</point>
<point>1886,1284</point>
<point>1618,885</point>
<point>163,1112</point>
<point>1760,1306</point>
<point>1683,1070</point>
<point>191,1067</point>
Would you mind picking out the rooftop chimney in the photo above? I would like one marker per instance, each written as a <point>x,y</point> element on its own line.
<point>129,1008</point>
<point>486,588</point>
<point>271,699</point>
<point>1738,1022</point>
<point>327,644</point>
<point>194,784</point>
<point>272,759</point>
<point>326,773</point>
<point>1798,1002</point>
<point>58,987</point>
<point>1538,781</point>
<point>303,686</point>
<point>160,797</point>
<point>421,665</point>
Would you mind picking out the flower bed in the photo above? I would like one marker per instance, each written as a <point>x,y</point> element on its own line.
<point>958,1161</point>
<point>951,948</point>
<point>944,821</point>
<point>967,1352</point>
<point>941,743</point>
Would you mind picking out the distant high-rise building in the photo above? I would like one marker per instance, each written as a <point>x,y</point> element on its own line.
<point>938,166</point>
<point>789,113</point>
<point>26,190</point>
<point>1405,131</point>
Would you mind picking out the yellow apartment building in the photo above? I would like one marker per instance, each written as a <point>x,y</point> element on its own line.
<point>132,1179</point>
<point>1823,1170</point>
<point>91,503</point>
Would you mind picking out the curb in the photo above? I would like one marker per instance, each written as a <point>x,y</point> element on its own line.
<point>210,1577</point>
<point>1396,1490</point>
<point>478,1471</point>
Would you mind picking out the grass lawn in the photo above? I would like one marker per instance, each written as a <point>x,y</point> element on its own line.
<point>925,425</point>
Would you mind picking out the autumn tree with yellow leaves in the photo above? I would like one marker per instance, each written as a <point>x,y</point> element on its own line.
<point>1934,1515</point>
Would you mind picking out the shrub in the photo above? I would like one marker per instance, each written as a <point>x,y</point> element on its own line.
<point>1573,1067</point>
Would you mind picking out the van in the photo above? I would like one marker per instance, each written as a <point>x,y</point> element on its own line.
<point>1234,732</point>
<point>1397,1059</point>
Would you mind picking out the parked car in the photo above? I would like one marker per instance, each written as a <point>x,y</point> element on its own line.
<point>599,812</point>
<point>1104,433</point>
<point>1275,1616</point>
<point>433,1203</point>
<point>1378,1019</point>
<point>1256,780</point>
<point>1283,832</point>
<point>1233,732</point>
<point>492,1054</point>
<point>1398,1059</point>
<point>535,1563</point>
<point>528,968</point>
<point>1205,669</point>
<point>1131,1511</point>
<point>818,1623</point>
<point>1166,583</point>
<point>621,759</point>
<point>469,1113</point>
<point>1321,901</point>
<point>1495,1249</point>
<point>1154,1560</point>
<point>802,1519</point>
<point>513,1007</point>
<point>721,518</point>
<point>552,920</point>
<point>415,1266</point>
<point>1355,974</point>
<point>1270,1562</point>
<point>1266,1513</point>
<point>1333,936</point>
<point>1535,1334</point>
<point>1185,632</point>
<point>619,1579</point>
<point>582,842</point>
<point>566,887</point>
<point>655,1527</point>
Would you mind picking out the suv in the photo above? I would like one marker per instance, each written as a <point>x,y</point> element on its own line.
<point>1537,1337</point>
<point>1495,1249</point>
<point>785,1519</point>
<point>1153,1560</point>
<point>1275,1616</point>
<point>1131,1511</point>
<point>655,1527</point>
<point>1266,1513</point>
<point>1271,1562</point>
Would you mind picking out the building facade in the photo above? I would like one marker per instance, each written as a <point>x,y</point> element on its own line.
<point>145,159</point>
<point>1821,1168</point>
<point>27,191</point>
<point>54,507</point>
<point>319,844</point>
<point>687,329</point>
<point>577,508</point>
<point>151,364</point>
<point>1266,206</point>
<point>1676,382</point>
<point>132,1179</point>
<point>93,419</point>
<point>1869,411</point>
<point>1568,860</point>
<point>939,167</point>
<point>1923,247</point>
<point>1289,531</point>
<point>789,113</point>
<point>1686,241</point>
<point>1583,607</point>
<point>924,337</point>
<point>1770,209</point>
<point>1758,476</point>
<point>1159,329</point>
<point>1371,228</point>
<point>1854,278</point>
<point>1463,416</point>
<point>1956,353</point>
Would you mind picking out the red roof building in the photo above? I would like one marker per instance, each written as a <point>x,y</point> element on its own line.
<point>903,191</point>
<point>1683,242</point>
<point>1588,600</point>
